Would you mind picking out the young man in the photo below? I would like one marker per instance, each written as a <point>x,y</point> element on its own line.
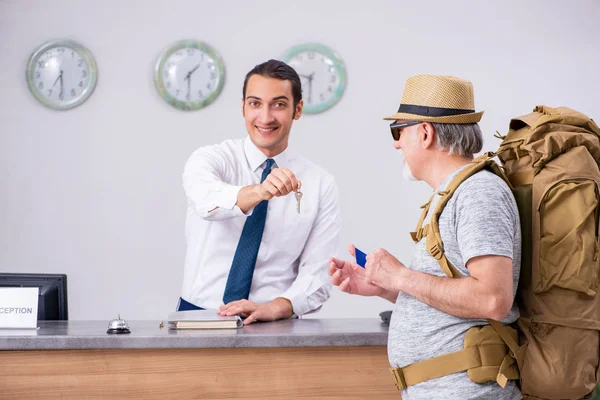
<point>436,130</point>
<point>261,221</point>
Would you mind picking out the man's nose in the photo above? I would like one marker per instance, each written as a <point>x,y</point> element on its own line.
<point>266,116</point>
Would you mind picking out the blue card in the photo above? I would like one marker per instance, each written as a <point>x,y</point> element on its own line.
<point>361,258</point>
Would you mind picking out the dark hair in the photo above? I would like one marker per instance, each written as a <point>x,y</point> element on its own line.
<point>278,70</point>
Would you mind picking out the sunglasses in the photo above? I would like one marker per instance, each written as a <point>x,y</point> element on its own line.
<point>395,128</point>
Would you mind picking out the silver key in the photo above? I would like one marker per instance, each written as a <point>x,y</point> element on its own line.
<point>298,195</point>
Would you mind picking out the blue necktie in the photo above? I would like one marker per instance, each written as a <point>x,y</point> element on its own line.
<point>244,260</point>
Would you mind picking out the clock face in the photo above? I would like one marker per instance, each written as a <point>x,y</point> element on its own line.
<point>189,75</point>
<point>322,73</point>
<point>61,74</point>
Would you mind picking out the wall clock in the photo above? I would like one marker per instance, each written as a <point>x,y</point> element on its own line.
<point>322,73</point>
<point>61,74</point>
<point>189,75</point>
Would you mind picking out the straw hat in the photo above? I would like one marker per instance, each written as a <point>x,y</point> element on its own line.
<point>442,99</point>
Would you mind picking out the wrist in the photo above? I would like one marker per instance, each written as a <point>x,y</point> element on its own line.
<point>261,193</point>
<point>283,308</point>
<point>400,280</point>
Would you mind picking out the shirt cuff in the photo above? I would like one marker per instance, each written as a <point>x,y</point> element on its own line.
<point>299,304</point>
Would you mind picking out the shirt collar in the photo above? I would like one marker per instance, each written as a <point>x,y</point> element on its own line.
<point>256,158</point>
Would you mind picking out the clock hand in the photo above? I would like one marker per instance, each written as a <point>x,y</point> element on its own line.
<point>310,81</point>
<point>57,79</point>
<point>192,71</point>
<point>61,83</point>
<point>189,81</point>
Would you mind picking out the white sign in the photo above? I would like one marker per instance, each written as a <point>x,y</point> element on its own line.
<point>18,307</point>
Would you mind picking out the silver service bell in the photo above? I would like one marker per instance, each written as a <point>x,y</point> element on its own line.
<point>118,326</point>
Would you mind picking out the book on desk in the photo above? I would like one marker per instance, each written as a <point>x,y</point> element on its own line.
<point>202,319</point>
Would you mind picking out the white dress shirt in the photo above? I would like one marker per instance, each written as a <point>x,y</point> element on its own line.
<point>295,248</point>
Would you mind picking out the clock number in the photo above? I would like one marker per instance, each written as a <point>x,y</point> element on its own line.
<point>330,89</point>
<point>187,97</point>
<point>49,92</point>
<point>72,54</point>
<point>190,52</point>
<point>72,92</point>
<point>213,75</point>
<point>80,83</point>
<point>80,63</point>
<point>41,64</point>
<point>37,75</point>
<point>209,85</point>
<point>177,92</point>
<point>179,54</point>
<point>60,51</point>
<point>41,85</point>
<point>83,73</point>
<point>311,55</point>
<point>200,94</point>
<point>60,96</point>
<point>168,84</point>
<point>333,78</point>
<point>322,97</point>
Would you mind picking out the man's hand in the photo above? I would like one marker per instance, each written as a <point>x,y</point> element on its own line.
<point>352,278</point>
<point>280,182</point>
<point>279,308</point>
<point>384,270</point>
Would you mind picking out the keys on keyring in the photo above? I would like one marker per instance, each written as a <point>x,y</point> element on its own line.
<point>298,195</point>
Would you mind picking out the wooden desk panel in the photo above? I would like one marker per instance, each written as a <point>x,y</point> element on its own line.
<point>327,373</point>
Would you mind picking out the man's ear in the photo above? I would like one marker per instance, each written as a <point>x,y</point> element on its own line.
<point>427,135</point>
<point>298,110</point>
<point>243,111</point>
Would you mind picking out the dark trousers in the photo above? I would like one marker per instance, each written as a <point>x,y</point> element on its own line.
<point>186,305</point>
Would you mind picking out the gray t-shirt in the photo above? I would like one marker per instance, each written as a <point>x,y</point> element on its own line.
<point>480,219</point>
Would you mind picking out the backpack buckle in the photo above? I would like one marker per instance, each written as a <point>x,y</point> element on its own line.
<point>436,251</point>
<point>399,380</point>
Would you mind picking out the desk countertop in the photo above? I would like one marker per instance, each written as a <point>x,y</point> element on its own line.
<point>61,335</point>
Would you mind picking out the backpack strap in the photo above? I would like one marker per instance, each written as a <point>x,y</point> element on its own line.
<point>458,361</point>
<point>420,231</point>
<point>434,243</point>
<point>470,357</point>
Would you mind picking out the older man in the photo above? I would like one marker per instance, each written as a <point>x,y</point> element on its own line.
<point>436,130</point>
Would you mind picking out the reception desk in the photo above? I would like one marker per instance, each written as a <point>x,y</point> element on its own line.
<point>291,359</point>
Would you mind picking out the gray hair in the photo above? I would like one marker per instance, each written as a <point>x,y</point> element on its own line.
<point>463,140</point>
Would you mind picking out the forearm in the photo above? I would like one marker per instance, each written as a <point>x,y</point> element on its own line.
<point>389,295</point>
<point>463,297</point>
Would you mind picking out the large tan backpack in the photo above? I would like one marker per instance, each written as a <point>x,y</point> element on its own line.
<point>550,159</point>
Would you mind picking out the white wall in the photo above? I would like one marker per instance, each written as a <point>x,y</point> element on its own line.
<point>95,192</point>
